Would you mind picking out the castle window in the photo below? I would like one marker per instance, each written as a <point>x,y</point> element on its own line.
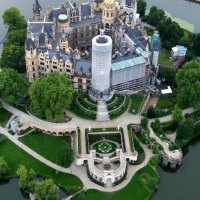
<point>107,14</point>
<point>88,81</point>
<point>33,75</point>
<point>33,69</point>
<point>55,67</point>
<point>32,62</point>
<point>79,80</point>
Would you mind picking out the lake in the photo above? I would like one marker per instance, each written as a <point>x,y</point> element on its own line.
<point>186,13</point>
<point>184,183</point>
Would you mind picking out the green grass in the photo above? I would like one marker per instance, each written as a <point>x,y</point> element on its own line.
<point>164,58</point>
<point>135,190</point>
<point>136,101</point>
<point>167,102</point>
<point>4,116</point>
<point>46,145</point>
<point>16,156</point>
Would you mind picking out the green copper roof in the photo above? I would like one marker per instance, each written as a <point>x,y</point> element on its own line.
<point>128,63</point>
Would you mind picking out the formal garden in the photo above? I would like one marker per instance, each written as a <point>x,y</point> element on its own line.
<point>117,105</point>
<point>104,146</point>
<point>104,142</point>
<point>83,106</point>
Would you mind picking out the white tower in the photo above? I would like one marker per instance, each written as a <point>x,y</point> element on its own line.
<point>101,66</point>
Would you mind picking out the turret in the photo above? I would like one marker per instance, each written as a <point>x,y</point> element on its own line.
<point>37,11</point>
<point>108,14</point>
<point>31,60</point>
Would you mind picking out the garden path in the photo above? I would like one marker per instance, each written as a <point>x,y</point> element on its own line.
<point>80,171</point>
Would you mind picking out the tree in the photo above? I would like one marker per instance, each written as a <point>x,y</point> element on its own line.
<point>185,129</point>
<point>144,122</point>
<point>177,115</point>
<point>46,190</point>
<point>196,43</point>
<point>12,86</point>
<point>168,73</point>
<point>11,56</point>
<point>155,16</point>
<point>66,155</point>
<point>26,178</point>
<point>151,112</point>
<point>141,7</point>
<point>188,82</point>
<point>4,169</point>
<point>51,95</point>
<point>13,19</point>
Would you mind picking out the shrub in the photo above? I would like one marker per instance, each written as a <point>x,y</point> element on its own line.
<point>151,112</point>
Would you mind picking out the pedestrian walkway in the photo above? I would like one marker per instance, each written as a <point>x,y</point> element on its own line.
<point>102,112</point>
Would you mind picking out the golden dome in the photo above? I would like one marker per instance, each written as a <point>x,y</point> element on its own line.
<point>109,2</point>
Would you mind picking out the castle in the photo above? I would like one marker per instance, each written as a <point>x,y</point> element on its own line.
<point>60,40</point>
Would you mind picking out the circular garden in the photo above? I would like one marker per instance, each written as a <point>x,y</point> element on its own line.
<point>105,147</point>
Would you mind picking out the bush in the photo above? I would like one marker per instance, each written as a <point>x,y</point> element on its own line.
<point>151,112</point>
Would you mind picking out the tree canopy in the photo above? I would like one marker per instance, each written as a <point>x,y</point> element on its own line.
<point>177,115</point>
<point>66,155</point>
<point>13,48</point>
<point>188,82</point>
<point>14,19</point>
<point>185,129</point>
<point>12,86</point>
<point>51,95</point>
<point>46,190</point>
<point>141,7</point>
<point>4,169</point>
<point>26,178</point>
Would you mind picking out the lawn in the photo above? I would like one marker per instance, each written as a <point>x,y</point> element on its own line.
<point>4,116</point>
<point>133,191</point>
<point>136,101</point>
<point>16,156</point>
<point>164,58</point>
<point>46,145</point>
<point>166,102</point>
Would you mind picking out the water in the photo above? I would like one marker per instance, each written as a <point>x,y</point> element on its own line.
<point>184,12</point>
<point>10,191</point>
<point>183,184</point>
<point>180,9</point>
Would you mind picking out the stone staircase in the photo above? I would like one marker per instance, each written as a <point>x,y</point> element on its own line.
<point>102,112</point>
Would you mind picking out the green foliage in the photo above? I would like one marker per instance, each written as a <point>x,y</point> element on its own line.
<point>141,7</point>
<point>4,169</point>
<point>12,86</point>
<point>79,140</point>
<point>149,182</point>
<point>11,56</point>
<point>155,16</point>
<point>13,50</point>
<point>51,95</point>
<point>185,129</point>
<point>13,18</point>
<point>151,112</point>
<point>66,155</point>
<point>26,178</point>
<point>144,122</point>
<point>46,190</point>
<point>188,81</point>
<point>168,73</point>
<point>196,43</point>
<point>166,103</point>
<point>131,140</point>
<point>4,116</point>
<point>177,115</point>
<point>157,127</point>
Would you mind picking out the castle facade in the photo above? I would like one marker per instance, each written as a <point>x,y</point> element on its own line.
<point>60,40</point>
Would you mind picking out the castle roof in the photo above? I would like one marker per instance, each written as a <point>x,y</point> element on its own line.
<point>30,44</point>
<point>85,9</point>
